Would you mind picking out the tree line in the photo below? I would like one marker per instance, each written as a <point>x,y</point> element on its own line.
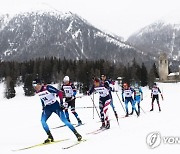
<point>52,70</point>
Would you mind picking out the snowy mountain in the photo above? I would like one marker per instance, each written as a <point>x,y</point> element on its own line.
<point>43,34</point>
<point>21,126</point>
<point>161,36</point>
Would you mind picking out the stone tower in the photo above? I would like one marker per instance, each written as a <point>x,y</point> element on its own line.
<point>163,67</point>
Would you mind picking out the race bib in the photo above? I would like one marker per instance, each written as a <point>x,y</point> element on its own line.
<point>103,92</point>
<point>68,91</point>
<point>127,93</point>
<point>155,91</point>
<point>137,92</point>
<point>47,97</point>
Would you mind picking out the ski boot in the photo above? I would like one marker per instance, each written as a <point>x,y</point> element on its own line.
<point>151,109</point>
<point>49,139</point>
<point>159,109</point>
<point>139,109</point>
<point>131,113</point>
<point>79,137</point>
<point>79,122</point>
<point>137,113</point>
<point>107,125</point>
<point>126,115</point>
<point>103,125</point>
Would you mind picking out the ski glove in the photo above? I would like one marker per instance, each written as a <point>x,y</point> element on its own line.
<point>88,93</point>
<point>73,97</point>
<point>61,106</point>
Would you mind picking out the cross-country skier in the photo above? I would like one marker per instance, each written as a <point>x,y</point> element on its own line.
<point>48,95</point>
<point>138,96</point>
<point>127,93</point>
<point>70,94</point>
<point>155,95</point>
<point>110,87</point>
<point>104,101</point>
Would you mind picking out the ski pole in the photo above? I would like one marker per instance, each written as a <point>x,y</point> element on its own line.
<point>116,117</point>
<point>95,107</point>
<point>120,102</point>
<point>83,107</point>
<point>113,108</point>
<point>142,110</point>
<point>75,98</point>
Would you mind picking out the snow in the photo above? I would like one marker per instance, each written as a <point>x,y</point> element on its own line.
<point>21,127</point>
<point>111,40</point>
<point>174,74</point>
<point>7,52</point>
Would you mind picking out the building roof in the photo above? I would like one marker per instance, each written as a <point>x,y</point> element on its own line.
<point>174,74</point>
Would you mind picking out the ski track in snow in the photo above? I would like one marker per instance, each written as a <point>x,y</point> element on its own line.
<point>21,127</point>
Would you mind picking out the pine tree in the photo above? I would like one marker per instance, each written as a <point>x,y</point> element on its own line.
<point>28,88</point>
<point>10,91</point>
<point>152,76</point>
<point>144,75</point>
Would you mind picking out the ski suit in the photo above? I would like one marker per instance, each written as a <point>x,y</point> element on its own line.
<point>104,100</point>
<point>127,94</point>
<point>47,95</point>
<point>138,96</point>
<point>70,93</point>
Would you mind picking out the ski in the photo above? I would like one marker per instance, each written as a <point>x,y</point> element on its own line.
<point>75,125</point>
<point>124,116</point>
<point>74,144</point>
<point>61,126</point>
<point>79,125</point>
<point>41,144</point>
<point>128,116</point>
<point>97,131</point>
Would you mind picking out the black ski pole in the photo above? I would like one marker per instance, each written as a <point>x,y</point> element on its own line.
<point>115,113</point>
<point>93,105</point>
<point>120,102</point>
<point>116,117</point>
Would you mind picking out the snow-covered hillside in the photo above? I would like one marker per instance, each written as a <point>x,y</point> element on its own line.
<point>160,36</point>
<point>46,33</point>
<point>21,127</point>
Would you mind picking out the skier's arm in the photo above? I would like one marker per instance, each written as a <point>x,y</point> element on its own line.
<point>151,93</point>
<point>91,90</point>
<point>161,94</point>
<point>141,93</point>
<point>106,85</point>
<point>60,95</point>
<point>122,95</point>
<point>74,90</point>
<point>42,104</point>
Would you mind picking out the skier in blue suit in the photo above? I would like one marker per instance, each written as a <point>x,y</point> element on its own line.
<point>127,93</point>
<point>50,104</point>
<point>138,96</point>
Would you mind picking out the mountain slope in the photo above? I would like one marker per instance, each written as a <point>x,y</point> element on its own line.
<point>158,37</point>
<point>43,34</point>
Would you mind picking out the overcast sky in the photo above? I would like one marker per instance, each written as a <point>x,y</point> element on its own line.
<point>122,17</point>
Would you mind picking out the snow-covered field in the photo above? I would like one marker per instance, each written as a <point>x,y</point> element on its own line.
<point>20,125</point>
